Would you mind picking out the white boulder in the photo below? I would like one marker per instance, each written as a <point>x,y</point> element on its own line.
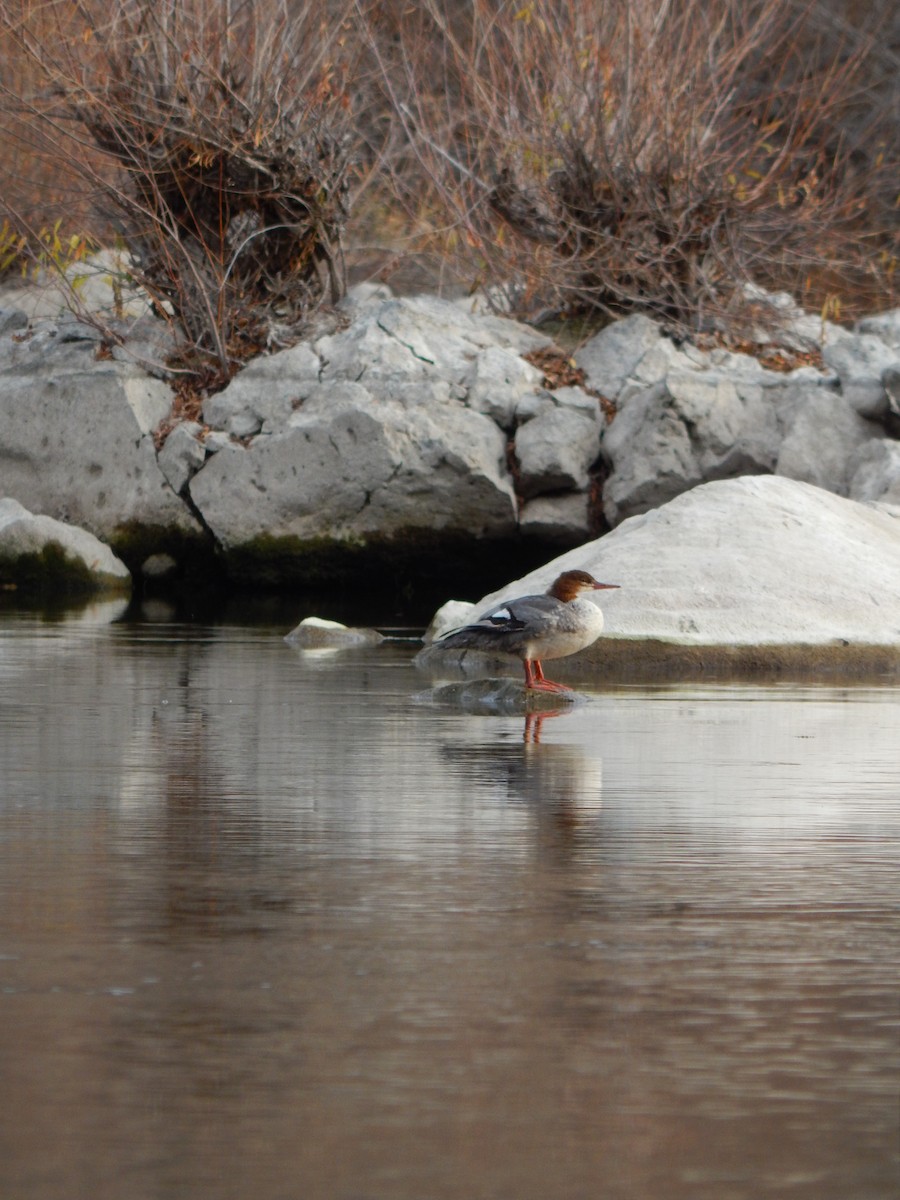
<point>25,537</point>
<point>759,560</point>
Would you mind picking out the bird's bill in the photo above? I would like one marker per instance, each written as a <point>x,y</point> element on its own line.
<point>600,586</point>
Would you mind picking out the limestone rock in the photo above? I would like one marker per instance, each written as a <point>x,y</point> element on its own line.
<point>495,383</point>
<point>556,450</point>
<point>877,472</point>
<point>316,633</point>
<point>349,466</point>
<point>823,436</point>
<point>885,326</point>
<point>860,363</point>
<point>12,320</point>
<point>563,519</point>
<point>452,615</point>
<point>26,540</point>
<point>752,561</point>
<point>262,396</point>
<point>77,439</point>
<point>404,342</point>
<point>613,354</point>
<point>182,454</point>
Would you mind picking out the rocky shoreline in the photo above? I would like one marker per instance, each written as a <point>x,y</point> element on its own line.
<point>427,430</point>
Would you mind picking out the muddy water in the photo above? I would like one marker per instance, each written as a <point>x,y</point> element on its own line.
<point>274,925</point>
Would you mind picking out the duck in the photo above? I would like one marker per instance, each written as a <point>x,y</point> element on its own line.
<point>555,624</point>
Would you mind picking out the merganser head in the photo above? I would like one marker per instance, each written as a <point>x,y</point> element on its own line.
<point>572,583</point>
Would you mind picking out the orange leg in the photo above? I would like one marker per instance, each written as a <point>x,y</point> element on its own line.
<point>534,678</point>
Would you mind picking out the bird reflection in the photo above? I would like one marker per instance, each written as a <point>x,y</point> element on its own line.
<point>559,784</point>
<point>534,723</point>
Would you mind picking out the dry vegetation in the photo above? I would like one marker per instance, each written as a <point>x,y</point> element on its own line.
<point>626,155</point>
<point>656,154</point>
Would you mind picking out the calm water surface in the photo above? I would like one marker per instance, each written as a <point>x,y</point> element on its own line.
<point>272,925</point>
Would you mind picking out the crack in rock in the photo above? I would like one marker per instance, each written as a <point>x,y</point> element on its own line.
<point>390,333</point>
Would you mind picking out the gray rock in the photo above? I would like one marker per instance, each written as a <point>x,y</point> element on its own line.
<point>403,342</point>
<point>695,426</point>
<point>100,285</point>
<point>564,519</point>
<point>77,440</point>
<point>823,437</point>
<point>349,466</point>
<point>315,633</point>
<point>12,320</point>
<point>891,380</point>
<point>24,535</point>
<point>451,615</point>
<point>613,354</point>
<point>860,363</point>
<point>877,473</point>
<point>216,441</point>
<point>885,326</point>
<point>534,404</point>
<point>495,383</point>
<point>651,453</point>
<point>263,395</point>
<point>581,401</point>
<point>158,566</point>
<point>182,454</point>
<point>760,560</point>
<point>556,450</point>
<point>147,342</point>
<point>362,296</point>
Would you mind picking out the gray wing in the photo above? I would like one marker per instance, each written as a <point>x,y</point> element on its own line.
<point>501,624</point>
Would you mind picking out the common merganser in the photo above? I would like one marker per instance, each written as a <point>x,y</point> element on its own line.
<point>532,628</point>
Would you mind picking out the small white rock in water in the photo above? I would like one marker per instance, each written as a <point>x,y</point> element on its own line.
<point>315,633</point>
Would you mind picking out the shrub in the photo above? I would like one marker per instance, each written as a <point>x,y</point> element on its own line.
<point>656,156</point>
<point>227,135</point>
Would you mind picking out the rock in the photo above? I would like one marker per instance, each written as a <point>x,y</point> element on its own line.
<point>147,343</point>
<point>401,343</point>
<point>350,466</point>
<point>534,404</point>
<point>706,423</point>
<point>495,383</point>
<point>364,295</point>
<point>99,284</point>
<point>216,441</point>
<point>563,519</point>
<point>263,395</point>
<point>182,454</point>
<point>891,380</point>
<point>823,437</point>
<point>651,455</point>
<point>788,325</point>
<point>760,560</point>
<point>159,566</point>
<point>38,551</point>
<point>877,472</point>
<point>556,450</point>
<point>12,320</point>
<point>452,615</point>
<point>315,633</point>
<point>581,401</point>
<point>613,354</point>
<point>77,439</point>
<point>885,326</point>
<point>860,363</point>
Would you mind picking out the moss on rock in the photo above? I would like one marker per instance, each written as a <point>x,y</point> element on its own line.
<point>52,571</point>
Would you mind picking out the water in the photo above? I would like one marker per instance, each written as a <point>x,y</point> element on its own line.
<point>272,926</point>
